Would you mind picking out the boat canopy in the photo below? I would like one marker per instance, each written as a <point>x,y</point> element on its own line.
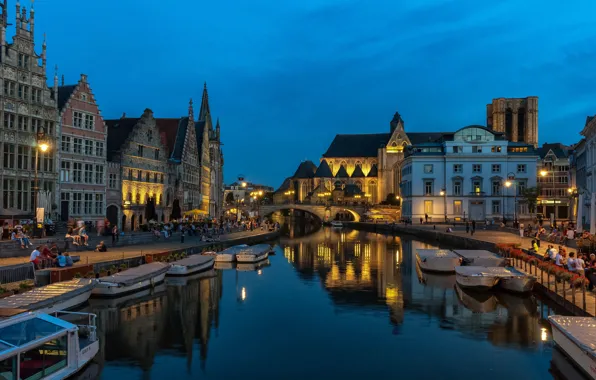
<point>257,249</point>
<point>431,253</point>
<point>44,296</point>
<point>580,330</point>
<point>137,274</point>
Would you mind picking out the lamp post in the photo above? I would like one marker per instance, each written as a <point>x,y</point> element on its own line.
<point>509,183</point>
<point>444,195</point>
<point>574,195</point>
<point>544,173</point>
<point>43,145</point>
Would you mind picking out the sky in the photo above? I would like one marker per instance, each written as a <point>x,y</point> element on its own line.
<point>285,77</point>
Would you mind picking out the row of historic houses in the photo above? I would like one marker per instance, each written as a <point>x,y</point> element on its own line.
<point>58,153</point>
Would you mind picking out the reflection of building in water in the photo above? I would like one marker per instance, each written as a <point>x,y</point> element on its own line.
<point>354,269</point>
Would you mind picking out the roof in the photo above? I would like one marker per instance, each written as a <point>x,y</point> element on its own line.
<point>173,135</point>
<point>560,150</point>
<point>118,131</point>
<point>285,185</point>
<point>323,171</point>
<point>306,169</point>
<point>48,295</point>
<point>374,171</point>
<point>199,129</point>
<point>64,93</point>
<point>358,173</point>
<point>424,137</point>
<point>342,173</point>
<point>350,190</point>
<point>361,145</point>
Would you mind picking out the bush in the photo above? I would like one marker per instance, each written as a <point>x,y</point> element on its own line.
<point>90,274</point>
<point>3,290</point>
<point>77,275</point>
<point>123,266</point>
<point>24,285</point>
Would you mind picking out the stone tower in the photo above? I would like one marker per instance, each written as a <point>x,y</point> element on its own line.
<point>516,117</point>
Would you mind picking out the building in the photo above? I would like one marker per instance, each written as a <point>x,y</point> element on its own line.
<point>554,181</point>
<point>517,118</point>
<point>137,153</point>
<point>586,179</point>
<point>204,128</point>
<point>82,185</point>
<point>465,176</point>
<point>29,113</point>
<point>242,189</point>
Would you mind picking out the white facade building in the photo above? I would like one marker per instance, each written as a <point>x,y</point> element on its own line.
<point>465,176</point>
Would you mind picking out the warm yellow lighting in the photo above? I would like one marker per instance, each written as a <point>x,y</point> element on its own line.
<point>397,197</point>
<point>243,184</point>
<point>44,147</point>
<point>570,190</point>
<point>543,173</point>
<point>543,334</point>
<point>442,192</point>
<point>508,183</point>
<point>260,192</point>
<point>243,293</point>
<point>260,272</point>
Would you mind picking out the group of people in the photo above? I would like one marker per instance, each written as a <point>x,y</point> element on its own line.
<point>44,256</point>
<point>556,235</point>
<point>79,235</point>
<point>576,262</point>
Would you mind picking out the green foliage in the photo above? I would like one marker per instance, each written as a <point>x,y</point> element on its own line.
<point>77,275</point>
<point>530,196</point>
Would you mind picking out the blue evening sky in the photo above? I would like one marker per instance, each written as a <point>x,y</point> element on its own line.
<point>286,76</point>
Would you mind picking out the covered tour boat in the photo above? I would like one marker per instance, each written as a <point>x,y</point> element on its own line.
<point>477,278</point>
<point>513,280</point>
<point>576,337</point>
<point>191,265</point>
<point>131,280</point>
<point>437,260</point>
<point>480,257</point>
<point>253,253</point>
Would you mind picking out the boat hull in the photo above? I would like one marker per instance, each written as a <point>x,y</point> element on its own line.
<point>112,289</point>
<point>481,283</point>
<point>251,258</point>
<point>225,258</point>
<point>67,304</point>
<point>225,265</point>
<point>185,280</point>
<point>438,264</point>
<point>179,270</point>
<point>574,352</point>
<point>517,284</point>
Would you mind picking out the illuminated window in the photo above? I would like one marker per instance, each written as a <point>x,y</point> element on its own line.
<point>457,209</point>
<point>428,207</point>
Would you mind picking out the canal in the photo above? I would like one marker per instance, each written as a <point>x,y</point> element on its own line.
<point>333,304</point>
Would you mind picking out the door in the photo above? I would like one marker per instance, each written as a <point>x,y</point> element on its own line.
<point>112,214</point>
<point>64,211</point>
<point>476,211</point>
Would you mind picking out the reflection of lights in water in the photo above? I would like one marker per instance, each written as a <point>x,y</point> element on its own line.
<point>289,254</point>
<point>243,293</point>
<point>365,274</point>
<point>350,274</point>
<point>324,252</point>
<point>342,237</point>
<point>357,248</point>
<point>391,293</point>
<point>259,272</point>
<point>366,252</point>
<point>334,272</point>
<point>397,255</point>
<point>544,334</point>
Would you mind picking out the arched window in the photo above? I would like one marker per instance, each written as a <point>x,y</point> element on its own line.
<point>358,184</point>
<point>138,198</point>
<point>394,144</point>
<point>358,164</point>
<point>304,190</point>
<point>372,190</point>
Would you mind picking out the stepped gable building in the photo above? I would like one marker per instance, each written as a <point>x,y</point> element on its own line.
<point>517,118</point>
<point>136,150</point>
<point>554,181</point>
<point>27,107</point>
<point>82,185</point>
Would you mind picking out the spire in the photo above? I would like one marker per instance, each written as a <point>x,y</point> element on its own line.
<point>5,14</point>
<point>204,112</point>
<point>56,85</point>
<point>191,112</point>
<point>43,53</point>
<point>18,15</point>
<point>217,129</point>
<point>32,20</point>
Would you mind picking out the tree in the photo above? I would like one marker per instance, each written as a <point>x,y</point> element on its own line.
<point>530,197</point>
<point>392,200</point>
<point>230,198</point>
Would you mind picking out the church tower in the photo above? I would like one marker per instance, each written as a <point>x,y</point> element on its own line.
<point>516,117</point>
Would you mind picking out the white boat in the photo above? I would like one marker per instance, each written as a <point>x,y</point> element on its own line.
<point>477,302</point>
<point>227,255</point>
<point>477,278</point>
<point>513,280</point>
<point>185,280</point>
<point>437,260</point>
<point>50,298</point>
<point>480,257</point>
<point>41,346</point>
<point>253,253</point>
<point>576,336</point>
<point>251,267</point>
<point>337,224</point>
<point>131,280</point>
<point>223,265</point>
<point>190,265</point>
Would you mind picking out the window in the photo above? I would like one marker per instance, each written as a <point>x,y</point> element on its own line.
<point>22,157</point>
<point>428,207</point>
<point>20,87</point>
<point>52,356</point>
<point>161,180</point>
<point>49,127</point>
<point>65,171</point>
<point>9,120</point>
<point>155,177</point>
<point>458,168</point>
<point>99,174</point>
<point>147,175</point>
<point>496,207</point>
<point>77,119</point>
<point>9,156</point>
<point>496,168</point>
<point>157,154</point>
<point>88,205</point>
<point>521,187</point>
<point>22,123</point>
<point>89,121</point>
<point>130,175</point>
<point>428,168</point>
<point>495,149</point>
<point>457,149</point>
<point>457,207</point>
<point>428,187</point>
<point>477,186</point>
<point>66,143</point>
<point>22,195</point>
<point>476,149</point>
<point>521,168</point>
<point>112,178</point>
<point>99,149</point>
<point>99,210</point>
<point>78,145</point>
<point>77,174</point>
<point>8,193</point>
<point>140,151</point>
<point>140,175</point>
<point>76,201</point>
<point>26,93</point>
<point>457,188</point>
<point>88,173</point>
<point>149,135</point>
<point>88,148</point>
<point>476,168</point>
<point>138,198</point>
<point>496,187</point>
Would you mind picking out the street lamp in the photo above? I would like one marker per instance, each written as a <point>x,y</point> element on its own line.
<point>42,144</point>
<point>444,195</point>
<point>574,194</point>
<point>544,173</point>
<point>509,184</point>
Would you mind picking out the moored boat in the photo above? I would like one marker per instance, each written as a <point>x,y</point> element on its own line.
<point>477,302</point>
<point>337,224</point>
<point>41,346</point>
<point>223,265</point>
<point>50,298</point>
<point>576,336</point>
<point>437,260</point>
<point>480,257</point>
<point>513,280</point>
<point>250,267</point>
<point>190,265</point>
<point>228,254</point>
<point>131,280</point>
<point>184,280</point>
<point>477,278</point>
<point>253,253</point>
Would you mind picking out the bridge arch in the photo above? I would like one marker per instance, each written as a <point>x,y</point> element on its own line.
<point>324,213</point>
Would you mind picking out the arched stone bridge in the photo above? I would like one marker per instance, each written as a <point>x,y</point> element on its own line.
<point>325,213</point>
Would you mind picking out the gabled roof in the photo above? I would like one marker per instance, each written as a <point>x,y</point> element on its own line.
<point>173,135</point>
<point>286,184</point>
<point>363,145</point>
<point>323,171</point>
<point>342,173</point>
<point>358,173</point>
<point>118,131</point>
<point>559,150</point>
<point>306,169</point>
<point>374,171</point>
<point>64,93</point>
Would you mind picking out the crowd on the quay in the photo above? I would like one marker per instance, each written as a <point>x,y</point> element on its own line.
<point>49,256</point>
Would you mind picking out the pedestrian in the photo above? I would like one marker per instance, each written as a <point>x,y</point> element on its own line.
<point>521,230</point>
<point>34,258</point>
<point>473,226</point>
<point>421,220</point>
<point>114,234</point>
<point>426,218</point>
<point>60,260</point>
<point>467,227</point>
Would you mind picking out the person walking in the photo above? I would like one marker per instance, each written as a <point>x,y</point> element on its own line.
<point>467,227</point>
<point>473,227</point>
<point>426,218</point>
<point>114,234</point>
<point>521,230</point>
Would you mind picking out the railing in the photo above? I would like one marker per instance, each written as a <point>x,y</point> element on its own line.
<point>17,273</point>
<point>89,329</point>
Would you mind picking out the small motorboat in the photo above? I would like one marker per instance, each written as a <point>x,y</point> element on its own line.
<point>41,346</point>
<point>185,280</point>
<point>190,265</point>
<point>480,257</point>
<point>337,224</point>
<point>477,302</point>
<point>575,336</point>
<point>477,278</point>
<point>224,265</point>
<point>253,253</point>
<point>513,280</point>
<point>50,298</point>
<point>228,254</point>
<point>250,267</point>
<point>131,280</point>
<point>437,260</point>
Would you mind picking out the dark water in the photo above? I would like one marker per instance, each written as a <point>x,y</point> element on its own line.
<point>332,305</point>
